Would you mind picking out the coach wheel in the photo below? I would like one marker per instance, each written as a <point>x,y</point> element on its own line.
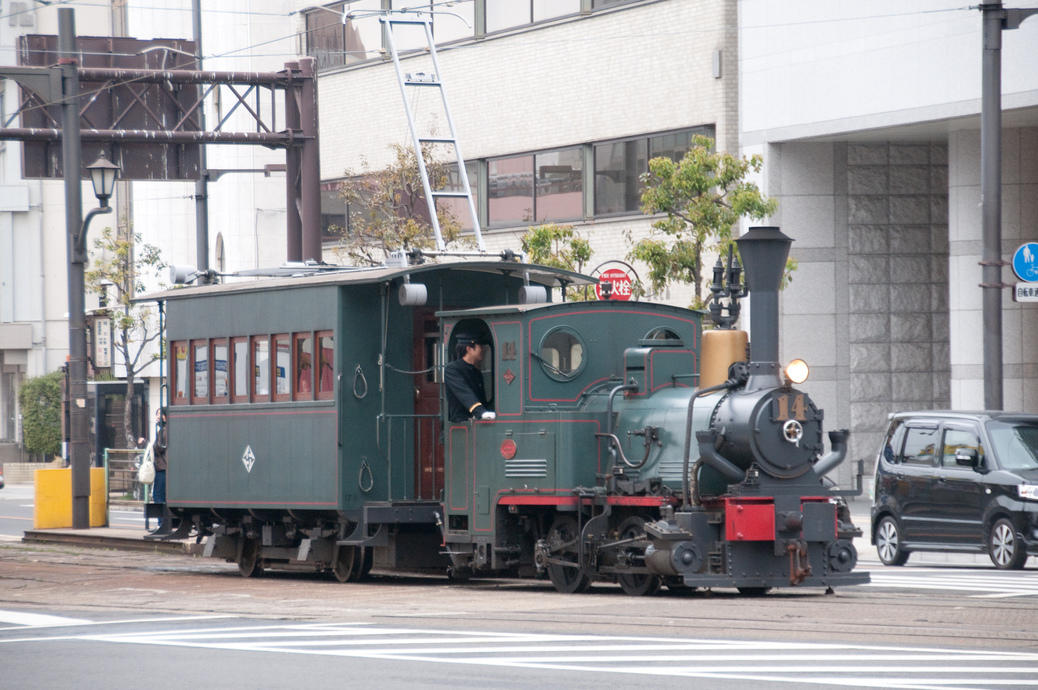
<point>888,542</point>
<point>346,566</point>
<point>564,545</point>
<point>249,558</point>
<point>1004,548</point>
<point>636,584</point>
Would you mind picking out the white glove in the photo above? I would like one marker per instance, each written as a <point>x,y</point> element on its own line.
<point>489,415</point>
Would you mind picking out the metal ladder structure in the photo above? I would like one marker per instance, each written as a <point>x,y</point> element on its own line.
<point>430,81</point>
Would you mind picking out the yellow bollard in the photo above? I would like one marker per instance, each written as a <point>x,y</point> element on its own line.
<point>53,501</point>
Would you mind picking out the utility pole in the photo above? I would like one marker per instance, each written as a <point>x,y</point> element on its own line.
<point>79,416</point>
<point>202,183</point>
<point>994,19</point>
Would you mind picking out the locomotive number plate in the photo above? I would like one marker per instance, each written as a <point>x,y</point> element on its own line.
<point>791,404</point>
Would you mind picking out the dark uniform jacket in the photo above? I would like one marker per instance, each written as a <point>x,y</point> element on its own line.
<point>159,449</point>
<point>465,395</point>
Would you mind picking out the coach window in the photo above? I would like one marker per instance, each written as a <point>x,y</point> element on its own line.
<point>200,368</point>
<point>562,353</point>
<point>180,376</point>
<point>326,369</point>
<point>662,337</point>
<point>239,369</point>
<point>220,373</point>
<point>303,366</point>
<point>282,367</point>
<point>260,368</point>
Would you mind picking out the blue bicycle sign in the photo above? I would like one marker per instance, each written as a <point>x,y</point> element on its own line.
<point>1025,262</point>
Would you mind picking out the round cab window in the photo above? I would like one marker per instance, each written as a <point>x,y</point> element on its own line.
<point>562,353</point>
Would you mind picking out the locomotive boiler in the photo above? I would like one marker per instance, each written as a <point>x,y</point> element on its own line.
<point>308,430</point>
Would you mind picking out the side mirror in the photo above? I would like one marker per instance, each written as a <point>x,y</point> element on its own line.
<point>967,457</point>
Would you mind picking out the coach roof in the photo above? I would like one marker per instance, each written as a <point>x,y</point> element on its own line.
<point>346,275</point>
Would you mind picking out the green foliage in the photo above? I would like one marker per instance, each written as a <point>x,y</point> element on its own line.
<point>388,210</point>
<point>40,401</point>
<point>703,196</point>
<point>559,246</point>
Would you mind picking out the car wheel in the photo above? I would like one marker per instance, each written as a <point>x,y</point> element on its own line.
<point>888,542</point>
<point>1006,551</point>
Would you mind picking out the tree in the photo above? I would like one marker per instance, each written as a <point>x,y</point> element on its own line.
<point>703,196</point>
<point>121,263</point>
<point>559,246</point>
<point>40,402</point>
<point>388,210</point>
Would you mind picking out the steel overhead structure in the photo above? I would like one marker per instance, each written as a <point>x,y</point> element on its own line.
<point>55,92</point>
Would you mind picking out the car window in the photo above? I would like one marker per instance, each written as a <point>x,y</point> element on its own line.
<point>1016,444</point>
<point>895,437</point>
<point>954,439</point>
<point>920,445</point>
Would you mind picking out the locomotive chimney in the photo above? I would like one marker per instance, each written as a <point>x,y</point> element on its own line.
<point>764,251</point>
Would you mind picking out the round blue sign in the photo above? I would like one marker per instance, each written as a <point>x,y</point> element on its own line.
<point>1025,262</point>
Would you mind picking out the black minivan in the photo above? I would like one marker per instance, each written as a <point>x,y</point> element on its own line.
<point>957,481</point>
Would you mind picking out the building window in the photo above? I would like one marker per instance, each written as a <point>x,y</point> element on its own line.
<point>508,14</point>
<point>510,190</point>
<point>459,208</point>
<point>335,44</point>
<point>559,185</point>
<point>619,166</point>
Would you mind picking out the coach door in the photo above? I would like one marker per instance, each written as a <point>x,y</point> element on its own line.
<point>428,479</point>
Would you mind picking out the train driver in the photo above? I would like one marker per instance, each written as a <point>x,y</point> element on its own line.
<point>466,398</point>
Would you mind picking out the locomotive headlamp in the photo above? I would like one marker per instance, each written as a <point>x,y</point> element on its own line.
<point>797,371</point>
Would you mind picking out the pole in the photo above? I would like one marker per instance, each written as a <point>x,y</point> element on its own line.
<point>293,167</point>
<point>79,452</point>
<point>202,183</point>
<point>310,162</point>
<point>991,201</point>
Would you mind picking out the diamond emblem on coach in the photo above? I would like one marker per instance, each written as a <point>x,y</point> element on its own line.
<point>248,459</point>
<point>508,377</point>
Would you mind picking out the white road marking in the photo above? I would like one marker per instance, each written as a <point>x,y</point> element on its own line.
<point>37,620</point>
<point>776,662</point>
<point>982,584</point>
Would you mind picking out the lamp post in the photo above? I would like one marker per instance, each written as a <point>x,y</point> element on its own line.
<point>103,174</point>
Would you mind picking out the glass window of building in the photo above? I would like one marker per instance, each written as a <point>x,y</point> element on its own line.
<point>507,14</point>
<point>455,23</point>
<point>510,190</point>
<point>363,35</point>
<point>333,211</point>
<point>618,169</point>
<point>560,184</point>
<point>550,9</point>
<point>325,38</point>
<point>459,208</point>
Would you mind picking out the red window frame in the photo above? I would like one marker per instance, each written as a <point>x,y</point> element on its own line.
<point>254,369</point>
<point>192,366</point>
<point>302,371</point>
<point>324,388</point>
<point>232,366</point>
<point>174,375</point>
<point>213,344</point>
<point>285,340</point>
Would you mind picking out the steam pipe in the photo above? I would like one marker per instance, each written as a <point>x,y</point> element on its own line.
<point>833,458</point>
<point>614,442</point>
<point>708,452</point>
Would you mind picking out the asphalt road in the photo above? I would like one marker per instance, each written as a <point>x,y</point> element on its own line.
<point>925,625</point>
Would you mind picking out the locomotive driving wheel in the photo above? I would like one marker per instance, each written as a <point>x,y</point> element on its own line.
<point>249,559</point>
<point>564,545</point>
<point>636,584</point>
<point>346,565</point>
